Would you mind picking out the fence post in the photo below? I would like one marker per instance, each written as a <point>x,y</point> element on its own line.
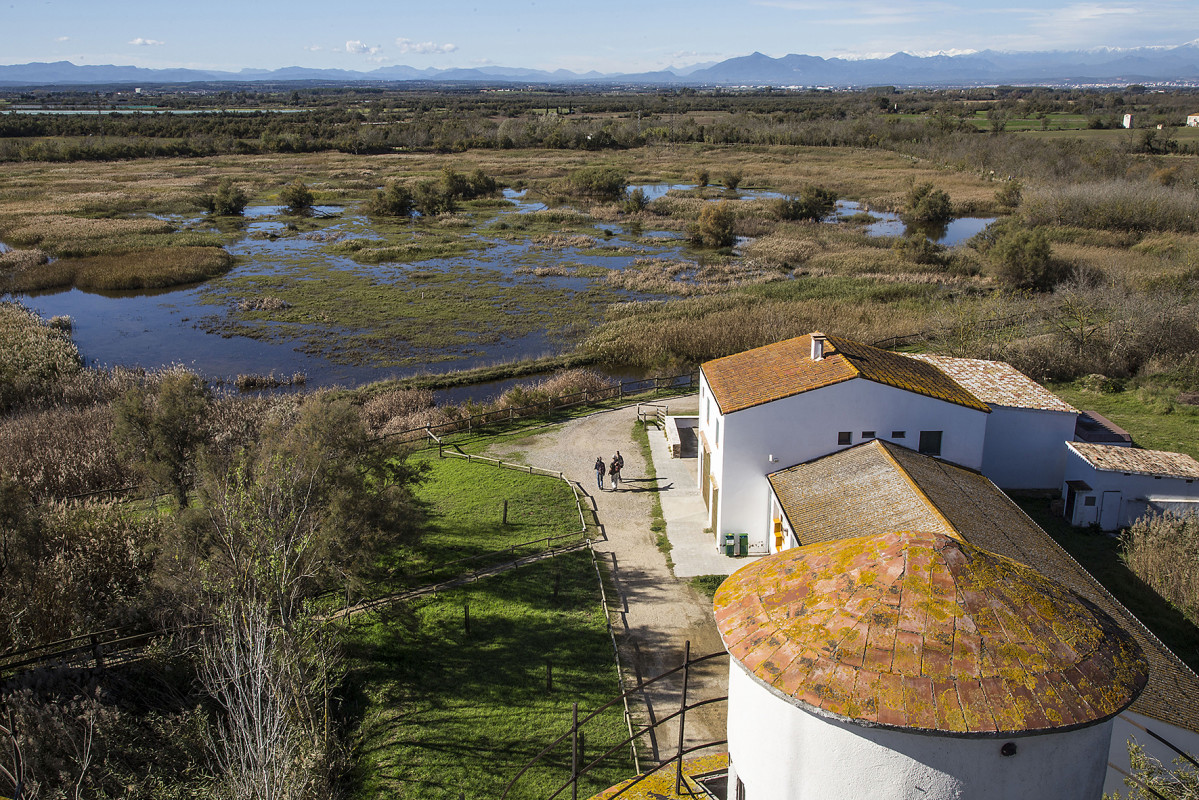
<point>574,753</point>
<point>678,773</point>
<point>96,651</point>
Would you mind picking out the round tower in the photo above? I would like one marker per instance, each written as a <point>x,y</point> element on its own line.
<point>914,665</point>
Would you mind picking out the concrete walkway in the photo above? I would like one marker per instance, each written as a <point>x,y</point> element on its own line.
<point>693,551</point>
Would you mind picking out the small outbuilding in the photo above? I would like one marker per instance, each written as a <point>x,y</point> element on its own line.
<point>914,664</point>
<point>1193,120</point>
<point>1112,486</point>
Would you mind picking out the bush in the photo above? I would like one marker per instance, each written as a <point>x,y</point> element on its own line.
<point>702,177</point>
<point>920,250</point>
<point>715,226</point>
<point>731,180</point>
<point>813,203</point>
<point>228,201</point>
<point>1024,260</point>
<point>635,202</point>
<point>600,182</point>
<point>1114,205</point>
<point>430,199</point>
<point>927,205</point>
<point>1008,195</point>
<point>394,201</point>
<point>297,197</point>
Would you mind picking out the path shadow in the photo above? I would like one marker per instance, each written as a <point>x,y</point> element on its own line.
<point>639,485</point>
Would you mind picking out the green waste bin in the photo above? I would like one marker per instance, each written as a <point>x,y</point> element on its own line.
<point>743,544</point>
<point>730,544</point>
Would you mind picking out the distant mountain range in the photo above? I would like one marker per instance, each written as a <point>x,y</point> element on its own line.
<point>1174,65</point>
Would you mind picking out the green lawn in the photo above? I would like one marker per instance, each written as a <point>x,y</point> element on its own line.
<point>1154,423</point>
<point>464,501</point>
<point>446,714</point>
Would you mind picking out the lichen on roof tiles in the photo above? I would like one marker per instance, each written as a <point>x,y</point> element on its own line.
<point>786,368</point>
<point>998,383</point>
<point>1114,458</point>
<point>1044,651</point>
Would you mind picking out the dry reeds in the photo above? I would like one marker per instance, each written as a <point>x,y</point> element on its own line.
<point>1160,549</point>
<point>1113,205</point>
<point>147,269</point>
<point>61,451</point>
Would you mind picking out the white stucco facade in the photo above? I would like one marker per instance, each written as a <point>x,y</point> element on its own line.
<point>1024,447</point>
<point>780,751</point>
<point>1114,500</point>
<point>745,446</point>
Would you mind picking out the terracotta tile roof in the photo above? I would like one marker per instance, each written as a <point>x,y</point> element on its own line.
<point>894,488</point>
<point>1114,458</point>
<point>786,368</point>
<point>998,383</point>
<point>919,630</point>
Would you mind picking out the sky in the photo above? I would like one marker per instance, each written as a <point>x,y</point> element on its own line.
<point>614,36</point>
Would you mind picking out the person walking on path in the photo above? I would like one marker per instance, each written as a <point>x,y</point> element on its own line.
<point>614,472</point>
<point>599,471</point>
<point>618,459</point>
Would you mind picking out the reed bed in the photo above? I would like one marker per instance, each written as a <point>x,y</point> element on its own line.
<point>688,278</point>
<point>34,355</point>
<point>61,451</point>
<point>1113,205</point>
<point>1161,550</point>
<point>147,269</point>
<point>55,232</point>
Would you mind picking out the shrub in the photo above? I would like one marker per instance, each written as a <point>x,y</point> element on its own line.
<point>813,203</point>
<point>296,196</point>
<point>430,200</point>
<point>925,204</point>
<point>702,177</point>
<point>394,201</point>
<point>228,200</point>
<point>715,226</point>
<point>920,250</point>
<point>1114,205</point>
<point>635,202</point>
<point>1008,195</point>
<point>600,182</point>
<point>1024,260</point>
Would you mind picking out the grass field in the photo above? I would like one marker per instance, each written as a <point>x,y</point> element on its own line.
<point>1155,422</point>
<point>443,712</point>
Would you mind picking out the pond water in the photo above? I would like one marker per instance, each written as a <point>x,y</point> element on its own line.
<point>953,233</point>
<point>508,294</point>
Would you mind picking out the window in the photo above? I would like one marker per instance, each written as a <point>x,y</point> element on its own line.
<point>1089,501</point>
<point>717,432</point>
<point>868,434</point>
<point>845,437</point>
<point>930,443</point>
<point>899,434</point>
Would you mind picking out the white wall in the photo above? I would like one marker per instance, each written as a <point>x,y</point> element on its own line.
<point>1024,447</point>
<point>1129,493</point>
<point>805,426</point>
<point>782,752</point>
<point>1124,730</point>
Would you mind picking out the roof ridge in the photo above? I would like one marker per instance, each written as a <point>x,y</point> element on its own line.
<point>915,487</point>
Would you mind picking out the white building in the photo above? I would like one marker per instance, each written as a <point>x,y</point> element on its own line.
<point>904,665</point>
<point>1193,120</point>
<point>1112,487</point>
<point>1026,428</point>
<point>879,486</point>
<point>796,400</point>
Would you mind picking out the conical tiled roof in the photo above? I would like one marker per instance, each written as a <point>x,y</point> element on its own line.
<point>919,630</point>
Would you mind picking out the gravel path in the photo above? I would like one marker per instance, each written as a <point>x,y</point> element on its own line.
<point>660,612</point>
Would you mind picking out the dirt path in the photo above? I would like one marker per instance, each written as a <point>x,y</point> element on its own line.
<point>660,612</point>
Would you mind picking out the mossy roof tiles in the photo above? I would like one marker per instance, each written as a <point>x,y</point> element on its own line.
<point>1114,458</point>
<point>802,622</point>
<point>998,383</point>
<point>880,486</point>
<point>786,368</point>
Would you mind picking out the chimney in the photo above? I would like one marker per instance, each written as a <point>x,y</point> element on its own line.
<point>818,340</point>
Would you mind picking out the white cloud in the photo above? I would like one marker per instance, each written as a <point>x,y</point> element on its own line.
<point>361,48</point>
<point>62,38</point>
<point>424,48</point>
<point>313,48</point>
<point>140,42</point>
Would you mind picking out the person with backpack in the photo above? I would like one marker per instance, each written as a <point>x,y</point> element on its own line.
<point>614,473</point>
<point>599,471</point>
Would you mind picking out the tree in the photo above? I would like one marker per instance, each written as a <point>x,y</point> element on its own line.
<point>1151,779</point>
<point>430,200</point>
<point>635,201</point>
<point>599,182</point>
<point>715,226</point>
<point>228,201</point>
<point>731,180</point>
<point>1009,195</point>
<point>927,205</point>
<point>296,196</point>
<point>813,203</point>
<point>160,431</point>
